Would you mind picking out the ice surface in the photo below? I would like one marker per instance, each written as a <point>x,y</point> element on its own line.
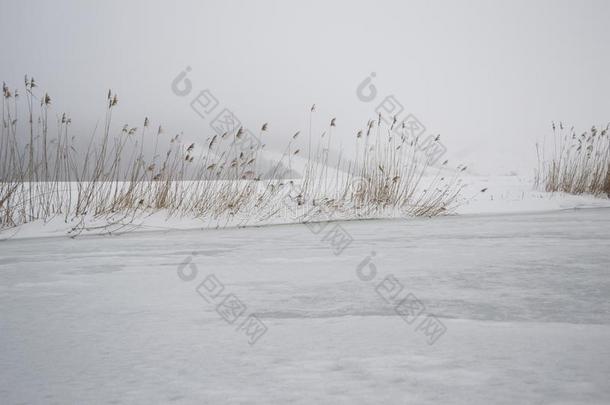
<point>525,299</point>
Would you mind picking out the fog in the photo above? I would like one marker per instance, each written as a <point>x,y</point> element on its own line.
<point>488,76</point>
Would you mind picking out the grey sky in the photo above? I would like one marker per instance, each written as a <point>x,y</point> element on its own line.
<point>489,76</point>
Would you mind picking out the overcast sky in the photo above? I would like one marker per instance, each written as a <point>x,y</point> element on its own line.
<point>489,76</point>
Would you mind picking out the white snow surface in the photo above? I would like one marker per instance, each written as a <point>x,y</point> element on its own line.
<point>524,298</point>
<point>502,195</point>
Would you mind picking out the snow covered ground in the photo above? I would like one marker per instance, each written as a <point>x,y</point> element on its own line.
<point>502,195</point>
<point>510,308</point>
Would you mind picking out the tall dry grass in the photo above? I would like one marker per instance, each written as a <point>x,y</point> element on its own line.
<point>575,163</point>
<point>46,174</point>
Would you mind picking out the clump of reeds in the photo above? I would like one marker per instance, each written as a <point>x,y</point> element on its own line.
<point>44,175</point>
<point>391,173</point>
<point>575,163</point>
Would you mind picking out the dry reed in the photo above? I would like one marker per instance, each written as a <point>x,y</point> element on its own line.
<point>573,163</point>
<point>220,179</point>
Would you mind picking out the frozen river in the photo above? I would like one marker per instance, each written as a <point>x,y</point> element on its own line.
<point>472,309</point>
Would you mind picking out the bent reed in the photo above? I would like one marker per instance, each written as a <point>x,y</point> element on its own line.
<point>47,174</point>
